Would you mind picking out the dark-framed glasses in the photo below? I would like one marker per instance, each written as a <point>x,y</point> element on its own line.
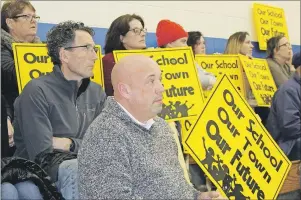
<point>138,31</point>
<point>88,47</point>
<point>28,17</point>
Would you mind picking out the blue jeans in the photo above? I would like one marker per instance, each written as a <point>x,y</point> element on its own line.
<point>23,190</point>
<point>67,183</point>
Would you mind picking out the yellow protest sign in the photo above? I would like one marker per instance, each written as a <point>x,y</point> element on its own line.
<point>223,64</point>
<point>185,126</point>
<point>32,61</point>
<point>234,149</point>
<point>269,22</point>
<point>183,95</point>
<point>260,79</point>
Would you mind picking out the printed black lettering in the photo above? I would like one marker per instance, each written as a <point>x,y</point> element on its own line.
<point>215,135</point>
<point>172,61</point>
<point>264,31</point>
<point>263,21</point>
<point>226,65</point>
<point>178,92</point>
<point>187,125</point>
<point>176,75</point>
<point>226,120</point>
<point>261,12</point>
<point>234,77</point>
<point>244,172</point>
<point>256,86</point>
<point>204,65</point>
<point>266,152</point>
<point>247,143</point>
<point>230,102</point>
<point>35,73</point>
<point>31,58</point>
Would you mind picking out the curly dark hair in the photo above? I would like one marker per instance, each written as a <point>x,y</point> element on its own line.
<point>119,26</point>
<point>62,35</point>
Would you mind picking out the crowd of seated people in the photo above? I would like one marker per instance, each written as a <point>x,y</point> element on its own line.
<point>66,137</point>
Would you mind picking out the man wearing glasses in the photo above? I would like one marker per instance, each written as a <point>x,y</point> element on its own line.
<point>279,53</point>
<point>54,111</point>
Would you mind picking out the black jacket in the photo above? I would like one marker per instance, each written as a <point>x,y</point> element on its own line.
<point>50,161</point>
<point>51,106</point>
<point>4,132</point>
<point>15,170</point>
<point>9,85</point>
<point>284,121</point>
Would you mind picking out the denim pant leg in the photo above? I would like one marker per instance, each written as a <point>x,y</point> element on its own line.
<point>67,179</point>
<point>197,175</point>
<point>9,192</point>
<point>28,190</point>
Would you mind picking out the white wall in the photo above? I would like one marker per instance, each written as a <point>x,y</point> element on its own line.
<point>214,18</point>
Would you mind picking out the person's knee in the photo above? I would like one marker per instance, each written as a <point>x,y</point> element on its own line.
<point>68,167</point>
<point>67,179</point>
<point>8,191</point>
<point>28,190</point>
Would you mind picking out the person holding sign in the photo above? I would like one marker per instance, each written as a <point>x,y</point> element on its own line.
<point>239,43</point>
<point>284,121</point>
<point>125,32</point>
<point>279,53</point>
<point>18,24</point>
<point>128,152</point>
<point>54,111</point>
<point>169,35</point>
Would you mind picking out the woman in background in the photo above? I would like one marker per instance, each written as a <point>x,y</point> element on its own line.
<point>127,32</point>
<point>18,24</point>
<point>239,43</point>
<point>197,42</point>
<point>279,59</point>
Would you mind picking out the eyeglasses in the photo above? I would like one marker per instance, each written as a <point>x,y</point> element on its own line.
<point>138,31</point>
<point>286,44</point>
<point>28,17</point>
<point>88,47</point>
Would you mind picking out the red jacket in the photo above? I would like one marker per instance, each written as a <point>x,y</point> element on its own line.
<point>108,62</point>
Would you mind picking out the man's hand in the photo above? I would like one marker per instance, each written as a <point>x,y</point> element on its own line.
<point>10,130</point>
<point>210,195</point>
<point>61,143</point>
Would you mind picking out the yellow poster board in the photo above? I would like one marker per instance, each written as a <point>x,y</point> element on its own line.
<point>185,126</point>
<point>183,95</point>
<point>234,149</point>
<point>220,65</point>
<point>269,22</point>
<point>32,61</point>
<point>260,79</point>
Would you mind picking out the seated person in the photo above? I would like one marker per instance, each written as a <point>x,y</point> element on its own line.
<point>170,35</point>
<point>24,179</point>
<point>284,121</point>
<point>127,32</point>
<point>279,53</point>
<point>54,111</point>
<point>19,23</point>
<point>128,152</point>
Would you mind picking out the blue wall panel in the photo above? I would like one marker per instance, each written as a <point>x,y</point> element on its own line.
<point>212,44</point>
